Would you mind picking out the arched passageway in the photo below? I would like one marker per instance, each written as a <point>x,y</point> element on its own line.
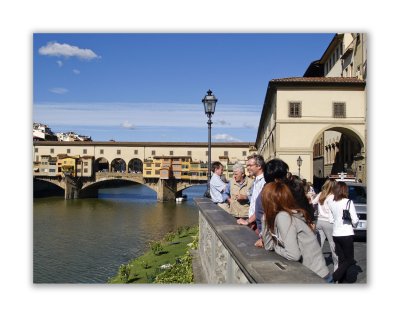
<point>101,165</point>
<point>118,165</point>
<point>338,150</point>
<point>135,166</point>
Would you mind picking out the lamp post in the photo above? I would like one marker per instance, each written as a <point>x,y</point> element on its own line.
<point>299,162</point>
<point>209,102</point>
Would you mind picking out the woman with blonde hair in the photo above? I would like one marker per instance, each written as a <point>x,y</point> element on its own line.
<point>287,229</point>
<point>324,227</point>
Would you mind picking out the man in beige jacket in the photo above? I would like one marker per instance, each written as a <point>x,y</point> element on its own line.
<point>240,186</point>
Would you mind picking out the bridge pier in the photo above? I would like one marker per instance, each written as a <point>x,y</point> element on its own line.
<point>166,190</point>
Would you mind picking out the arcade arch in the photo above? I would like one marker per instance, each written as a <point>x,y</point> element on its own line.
<point>118,165</point>
<point>135,166</point>
<point>337,150</point>
<point>101,164</point>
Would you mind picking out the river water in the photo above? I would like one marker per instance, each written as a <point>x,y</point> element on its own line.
<point>86,240</point>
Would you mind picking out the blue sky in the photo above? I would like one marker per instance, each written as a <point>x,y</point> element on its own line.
<point>148,87</point>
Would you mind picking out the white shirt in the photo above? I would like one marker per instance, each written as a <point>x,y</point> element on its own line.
<point>324,213</point>
<point>340,228</point>
<point>257,187</point>
<point>217,186</point>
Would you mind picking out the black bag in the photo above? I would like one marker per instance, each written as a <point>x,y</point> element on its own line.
<point>346,212</point>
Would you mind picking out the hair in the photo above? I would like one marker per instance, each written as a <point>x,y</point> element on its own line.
<point>275,169</point>
<point>215,165</point>
<point>326,190</point>
<point>238,167</point>
<point>276,197</point>
<point>258,159</point>
<point>340,191</point>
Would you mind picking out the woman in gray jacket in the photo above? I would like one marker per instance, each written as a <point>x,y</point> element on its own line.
<point>287,229</point>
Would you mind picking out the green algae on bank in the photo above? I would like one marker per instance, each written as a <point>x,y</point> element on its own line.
<point>167,262</point>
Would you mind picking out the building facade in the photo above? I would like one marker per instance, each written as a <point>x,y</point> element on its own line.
<point>298,111</point>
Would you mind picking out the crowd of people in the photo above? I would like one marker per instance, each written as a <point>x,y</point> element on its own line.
<point>288,216</point>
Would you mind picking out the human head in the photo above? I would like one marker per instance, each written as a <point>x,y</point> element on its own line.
<point>340,191</point>
<point>276,197</point>
<point>328,186</point>
<point>275,169</point>
<point>217,168</point>
<point>238,172</point>
<point>255,165</point>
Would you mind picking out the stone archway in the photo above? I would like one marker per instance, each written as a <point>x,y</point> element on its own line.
<point>135,166</point>
<point>101,165</point>
<point>337,150</point>
<point>118,165</point>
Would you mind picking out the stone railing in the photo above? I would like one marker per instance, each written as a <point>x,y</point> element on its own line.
<point>228,255</point>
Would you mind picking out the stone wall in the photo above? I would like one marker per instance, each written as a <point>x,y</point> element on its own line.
<point>228,255</point>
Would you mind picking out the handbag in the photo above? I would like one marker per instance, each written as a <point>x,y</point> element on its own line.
<point>346,212</point>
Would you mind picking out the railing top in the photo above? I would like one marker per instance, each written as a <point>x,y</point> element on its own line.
<point>257,264</point>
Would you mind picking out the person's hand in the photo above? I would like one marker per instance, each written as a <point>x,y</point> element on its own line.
<point>259,243</point>
<point>242,221</point>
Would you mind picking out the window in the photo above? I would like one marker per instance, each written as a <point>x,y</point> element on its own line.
<point>84,151</point>
<point>339,110</point>
<point>51,150</point>
<point>244,153</point>
<point>136,152</point>
<point>148,172</point>
<point>171,152</point>
<point>189,153</point>
<point>206,152</point>
<point>295,109</point>
<point>226,153</point>
<point>153,152</point>
<point>68,151</point>
<point>36,150</point>
<point>101,151</point>
<point>85,170</point>
<point>85,163</point>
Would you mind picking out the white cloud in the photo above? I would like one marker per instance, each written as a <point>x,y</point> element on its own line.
<point>222,122</point>
<point>127,125</point>
<point>59,63</point>
<point>76,71</point>
<point>225,137</point>
<point>66,50</point>
<point>59,90</point>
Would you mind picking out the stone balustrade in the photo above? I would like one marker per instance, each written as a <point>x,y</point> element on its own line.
<point>228,255</point>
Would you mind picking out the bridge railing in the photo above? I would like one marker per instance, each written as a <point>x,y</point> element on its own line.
<point>228,255</point>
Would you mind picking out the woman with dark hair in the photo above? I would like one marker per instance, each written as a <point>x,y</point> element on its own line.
<point>288,229</point>
<point>343,233</point>
<point>277,170</point>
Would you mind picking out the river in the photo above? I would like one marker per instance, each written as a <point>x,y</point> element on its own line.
<point>86,240</point>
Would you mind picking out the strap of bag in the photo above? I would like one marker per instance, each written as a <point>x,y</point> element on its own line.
<point>348,204</point>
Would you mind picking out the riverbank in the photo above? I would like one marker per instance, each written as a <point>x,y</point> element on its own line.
<point>167,261</point>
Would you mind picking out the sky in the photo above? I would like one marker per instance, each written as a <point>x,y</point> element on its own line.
<point>149,86</point>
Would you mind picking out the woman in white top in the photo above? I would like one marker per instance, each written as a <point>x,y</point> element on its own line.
<point>343,232</point>
<point>324,227</point>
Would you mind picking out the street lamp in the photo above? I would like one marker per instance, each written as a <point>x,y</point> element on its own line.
<point>209,102</point>
<point>299,162</point>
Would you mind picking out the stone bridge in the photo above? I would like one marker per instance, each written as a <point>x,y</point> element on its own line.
<point>87,187</point>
